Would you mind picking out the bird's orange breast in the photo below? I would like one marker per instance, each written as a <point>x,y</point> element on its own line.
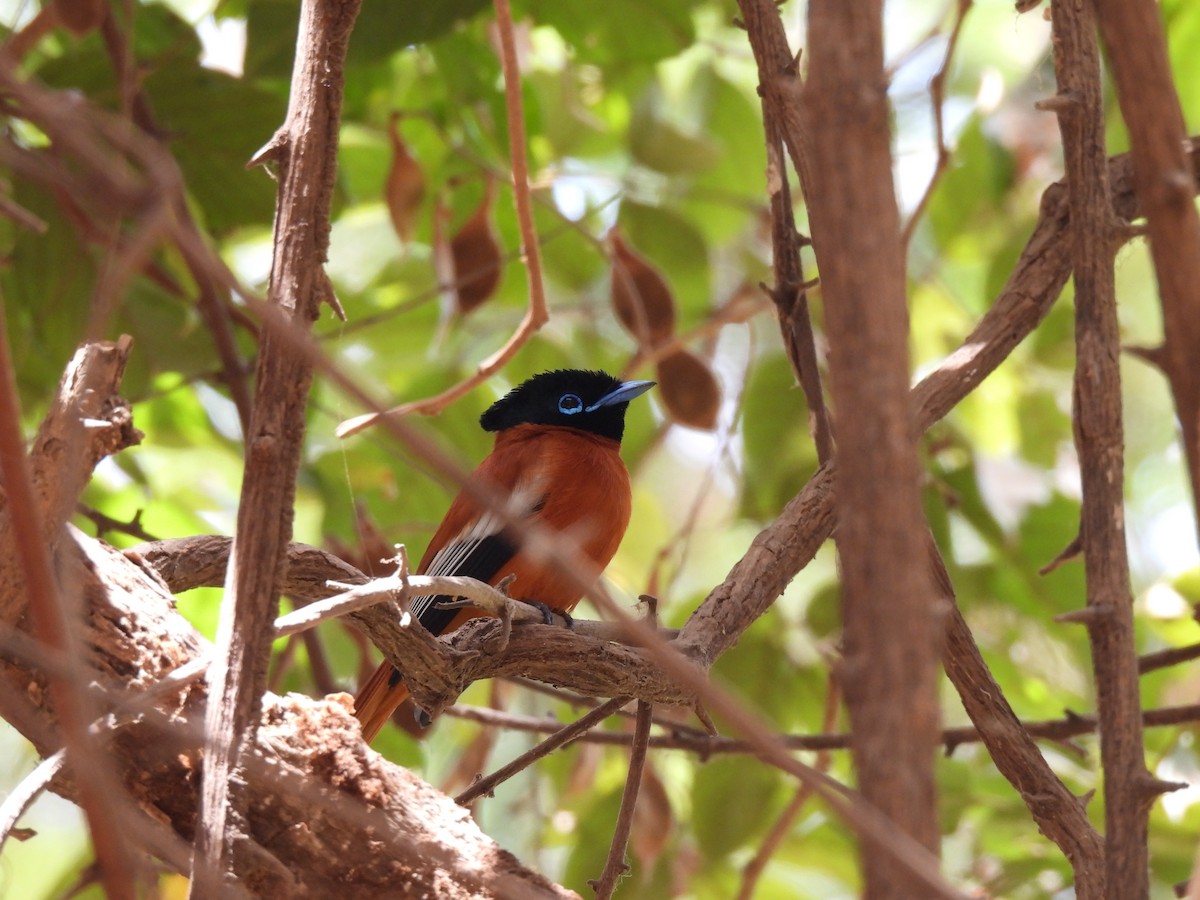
<point>573,482</point>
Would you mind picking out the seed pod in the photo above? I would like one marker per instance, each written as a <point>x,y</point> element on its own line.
<point>477,261</point>
<point>689,390</point>
<point>640,295</point>
<point>405,188</point>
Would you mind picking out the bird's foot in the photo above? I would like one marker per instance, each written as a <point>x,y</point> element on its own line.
<point>549,612</point>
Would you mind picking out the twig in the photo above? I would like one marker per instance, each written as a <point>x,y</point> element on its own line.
<point>1059,730</point>
<point>614,865</point>
<point>579,700</point>
<point>563,736</point>
<point>776,64</point>
<point>537,313</point>
<point>790,293</point>
<point>1161,659</point>
<point>22,796</point>
<point>105,524</point>
<point>937,99</point>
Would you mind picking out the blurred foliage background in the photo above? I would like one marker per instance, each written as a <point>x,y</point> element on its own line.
<point>643,117</point>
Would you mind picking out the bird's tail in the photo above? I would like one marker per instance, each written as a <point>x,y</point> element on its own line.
<point>377,699</point>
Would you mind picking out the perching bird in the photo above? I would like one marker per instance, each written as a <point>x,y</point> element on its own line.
<point>557,456</point>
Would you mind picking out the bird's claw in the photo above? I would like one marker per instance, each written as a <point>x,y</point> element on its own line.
<point>548,613</point>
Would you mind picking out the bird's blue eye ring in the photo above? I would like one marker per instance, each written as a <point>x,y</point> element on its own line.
<point>569,404</point>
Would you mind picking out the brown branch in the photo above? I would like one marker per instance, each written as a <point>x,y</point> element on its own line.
<point>35,519</point>
<point>1100,441</point>
<point>779,80</point>
<point>106,524</point>
<point>589,657</point>
<point>790,293</point>
<point>776,65</point>
<point>306,148</point>
<point>1059,814</point>
<point>891,634</point>
<point>614,864</point>
<point>937,99</point>
<point>1161,659</point>
<point>1071,726</point>
<point>1137,51</point>
<point>563,736</point>
<point>537,314</point>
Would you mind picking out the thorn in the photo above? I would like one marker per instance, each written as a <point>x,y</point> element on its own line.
<point>1068,553</point>
<point>705,718</point>
<point>1155,787</point>
<point>271,151</point>
<point>329,295</point>
<point>1073,747</point>
<point>1084,799</point>
<point>1059,103</point>
<point>1156,356</point>
<point>1088,615</point>
<point>738,23</point>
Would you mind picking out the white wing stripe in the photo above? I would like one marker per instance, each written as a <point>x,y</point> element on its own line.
<point>523,501</point>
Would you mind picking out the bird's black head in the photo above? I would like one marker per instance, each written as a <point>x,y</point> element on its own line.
<point>572,398</point>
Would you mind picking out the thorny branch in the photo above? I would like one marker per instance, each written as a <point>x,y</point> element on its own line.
<point>1100,442</point>
<point>305,146</point>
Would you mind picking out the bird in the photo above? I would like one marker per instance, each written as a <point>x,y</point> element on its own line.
<point>557,457</point>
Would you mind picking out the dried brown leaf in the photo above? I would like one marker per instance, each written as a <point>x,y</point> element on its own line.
<point>689,390</point>
<point>640,295</point>
<point>405,189</point>
<point>477,259</point>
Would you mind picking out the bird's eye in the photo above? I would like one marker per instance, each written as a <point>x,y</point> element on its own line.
<point>569,404</point>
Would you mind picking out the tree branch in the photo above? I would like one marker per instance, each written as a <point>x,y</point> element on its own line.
<point>1100,443</point>
<point>891,633</point>
<point>306,148</point>
<point>1137,50</point>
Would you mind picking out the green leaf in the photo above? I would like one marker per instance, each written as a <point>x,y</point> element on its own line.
<point>733,804</point>
<point>215,123</point>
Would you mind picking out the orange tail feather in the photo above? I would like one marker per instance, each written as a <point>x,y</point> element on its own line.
<point>377,699</point>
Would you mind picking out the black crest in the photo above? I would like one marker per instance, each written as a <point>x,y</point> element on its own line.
<point>573,398</point>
